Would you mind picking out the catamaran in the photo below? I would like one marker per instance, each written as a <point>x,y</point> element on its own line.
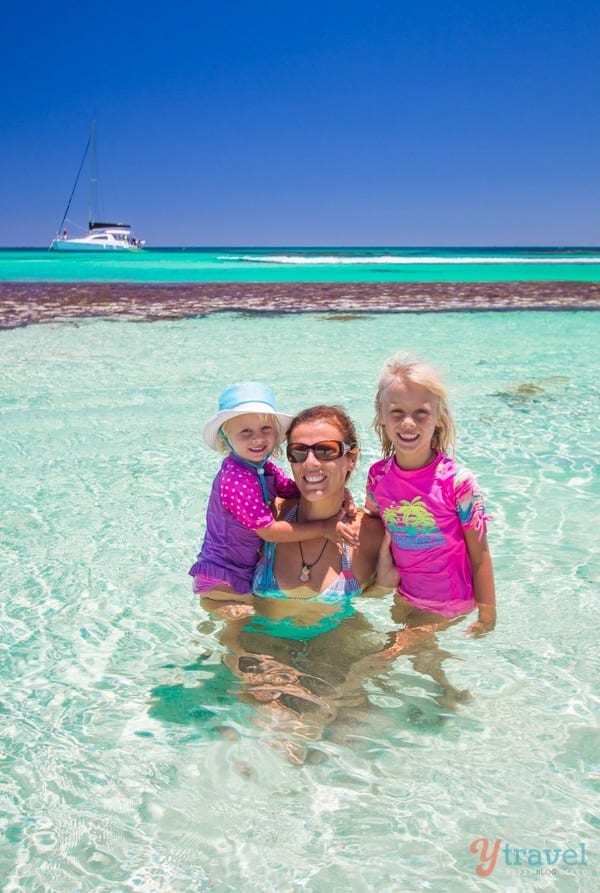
<point>99,236</point>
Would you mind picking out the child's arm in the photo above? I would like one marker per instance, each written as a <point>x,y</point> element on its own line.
<point>333,529</point>
<point>388,574</point>
<point>348,526</point>
<point>241,494</point>
<point>483,583</point>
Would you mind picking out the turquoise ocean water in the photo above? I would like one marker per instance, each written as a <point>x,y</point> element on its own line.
<point>133,757</point>
<point>307,265</point>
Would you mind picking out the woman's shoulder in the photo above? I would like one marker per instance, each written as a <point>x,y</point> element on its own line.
<point>284,506</point>
<point>371,527</point>
<point>364,558</point>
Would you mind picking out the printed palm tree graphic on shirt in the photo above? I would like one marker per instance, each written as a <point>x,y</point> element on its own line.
<point>412,525</point>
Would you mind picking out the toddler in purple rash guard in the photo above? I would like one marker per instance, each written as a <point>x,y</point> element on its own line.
<point>249,429</point>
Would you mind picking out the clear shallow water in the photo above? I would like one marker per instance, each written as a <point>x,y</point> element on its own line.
<point>306,265</point>
<point>131,758</point>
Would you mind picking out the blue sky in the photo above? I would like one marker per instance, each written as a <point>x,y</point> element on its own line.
<point>306,123</point>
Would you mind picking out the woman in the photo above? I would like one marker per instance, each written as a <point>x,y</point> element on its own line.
<point>297,648</point>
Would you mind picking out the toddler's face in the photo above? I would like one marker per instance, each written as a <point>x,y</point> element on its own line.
<point>409,414</point>
<point>253,436</point>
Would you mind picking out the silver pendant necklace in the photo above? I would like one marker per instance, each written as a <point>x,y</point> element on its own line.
<point>306,568</point>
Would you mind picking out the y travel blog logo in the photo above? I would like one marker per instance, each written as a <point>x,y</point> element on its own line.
<point>544,861</point>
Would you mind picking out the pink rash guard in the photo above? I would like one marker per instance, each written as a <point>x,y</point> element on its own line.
<point>426,511</point>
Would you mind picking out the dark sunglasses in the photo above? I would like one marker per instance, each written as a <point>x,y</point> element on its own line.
<point>324,451</point>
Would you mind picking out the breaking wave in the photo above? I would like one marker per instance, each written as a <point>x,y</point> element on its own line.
<point>387,259</point>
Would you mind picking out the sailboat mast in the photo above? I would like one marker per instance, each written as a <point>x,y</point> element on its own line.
<point>62,223</point>
<point>92,175</point>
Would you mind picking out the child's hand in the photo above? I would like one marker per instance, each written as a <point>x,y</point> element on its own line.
<point>348,505</point>
<point>387,573</point>
<point>485,623</point>
<point>340,531</point>
<point>348,533</point>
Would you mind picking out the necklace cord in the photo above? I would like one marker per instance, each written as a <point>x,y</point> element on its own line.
<point>306,568</point>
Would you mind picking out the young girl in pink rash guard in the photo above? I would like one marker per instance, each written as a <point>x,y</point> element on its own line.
<point>435,552</point>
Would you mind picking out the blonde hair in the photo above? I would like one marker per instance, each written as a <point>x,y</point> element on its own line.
<point>405,366</point>
<point>263,418</point>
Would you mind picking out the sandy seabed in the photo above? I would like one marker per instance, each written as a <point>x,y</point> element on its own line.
<point>26,303</point>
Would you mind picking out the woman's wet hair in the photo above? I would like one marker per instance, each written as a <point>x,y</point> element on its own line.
<point>335,415</point>
<point>406,367</point>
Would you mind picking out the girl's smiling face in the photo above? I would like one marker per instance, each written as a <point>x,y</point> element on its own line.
<point>409,414</point>
<point>252,436</point>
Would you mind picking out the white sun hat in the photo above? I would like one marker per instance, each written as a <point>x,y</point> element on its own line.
<point>240,398</point>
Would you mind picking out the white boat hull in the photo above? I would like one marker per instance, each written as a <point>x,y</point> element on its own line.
<point>87,245</point>
<point>113,238</point>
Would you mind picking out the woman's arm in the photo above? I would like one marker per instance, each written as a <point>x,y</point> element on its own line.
<point>365,558</point>
<point>387,573</point>
<point>483,582</point>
